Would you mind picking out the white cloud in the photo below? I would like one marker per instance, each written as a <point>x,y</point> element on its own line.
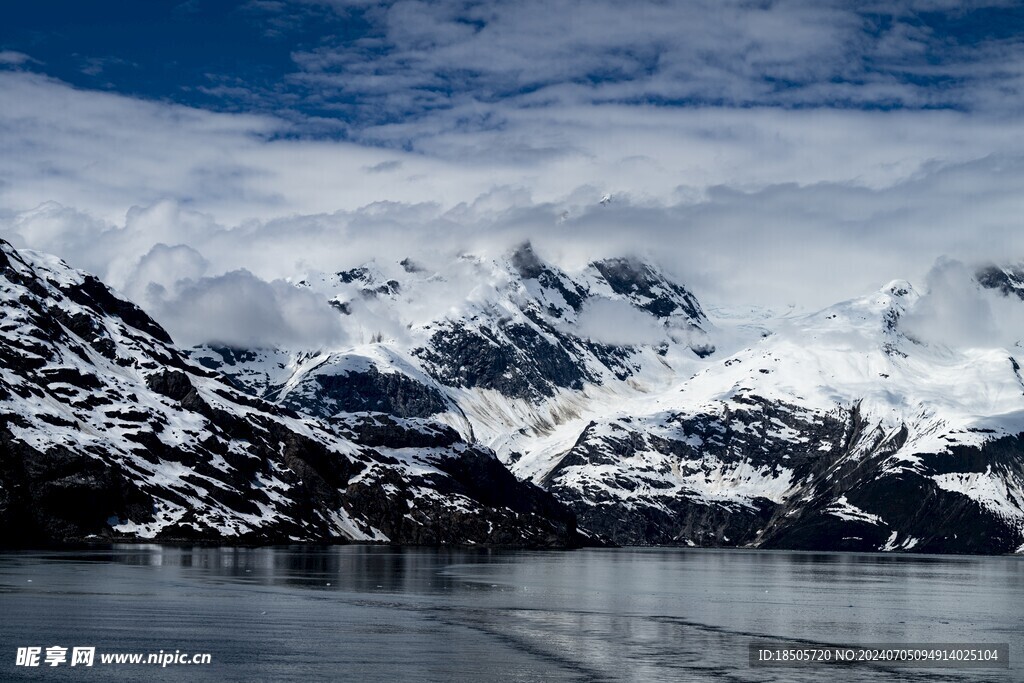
<point>240,310</point>
<point>57,229</point>
<point>617,322</point>
<point>13,58</point>
<point>235,308</point>
<point>957,312</point>
<point>159,272</point>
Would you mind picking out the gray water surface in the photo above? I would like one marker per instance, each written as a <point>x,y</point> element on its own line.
<point>371,613</point>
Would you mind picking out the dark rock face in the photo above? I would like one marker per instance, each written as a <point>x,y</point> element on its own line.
<point>941,521</point>
<point>678,522</point>
<point>59,495</point>
<point>228,356</point>
<point>432,522</point>
<point>383,430</point>
<point>533,353</point>
<point>514,359</point>
<point>669,513</point>
<point>353,275</point>
<point>530,267</point>
<point>1009,281</point>
<point>649,289</point>
<point>93,294</point>
<point>910,505</point>
<point>848,496</point>
<point>484,478</point>
<point>325,395</point>
<point>517,513</point>
<point>368,286</point>
<point>173,384</point>
<point>133,441</point>
<point>331,385</point>
<point>410,266</point>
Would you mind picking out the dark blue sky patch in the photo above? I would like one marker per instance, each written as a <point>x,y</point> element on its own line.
<point>337,69</point>
<point>209,54</point>
<point>977,26</point>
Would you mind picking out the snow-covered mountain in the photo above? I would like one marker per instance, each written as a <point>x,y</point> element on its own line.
<point>608,386</point>
<point>107,430</point>
<point>611,388</point>
<point>483,343</point>
<point>836,431</point>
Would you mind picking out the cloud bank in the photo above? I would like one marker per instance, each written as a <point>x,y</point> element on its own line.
<point>235,309</point>
<point>956,312</point>
<point>782,153</point>
<point>751,206</point>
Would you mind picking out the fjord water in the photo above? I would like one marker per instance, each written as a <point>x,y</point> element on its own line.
<point>372,613</point>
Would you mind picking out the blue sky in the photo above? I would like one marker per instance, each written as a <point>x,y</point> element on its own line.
<point>352,69</point>
<point>751,146</point>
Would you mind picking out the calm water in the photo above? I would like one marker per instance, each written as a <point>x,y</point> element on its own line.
<point>364,613</point>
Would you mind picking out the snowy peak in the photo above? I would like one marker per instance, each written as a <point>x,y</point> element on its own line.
<point>837,430</point>
<point>38,275</point>
<point>557,295</point>
<point>901,289</point>
<point>544,330</point>
<point>371,282</point>
<point>648,289</point>
<point>516,324</point>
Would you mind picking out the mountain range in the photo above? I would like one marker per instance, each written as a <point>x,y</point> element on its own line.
<point>508,401</point>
